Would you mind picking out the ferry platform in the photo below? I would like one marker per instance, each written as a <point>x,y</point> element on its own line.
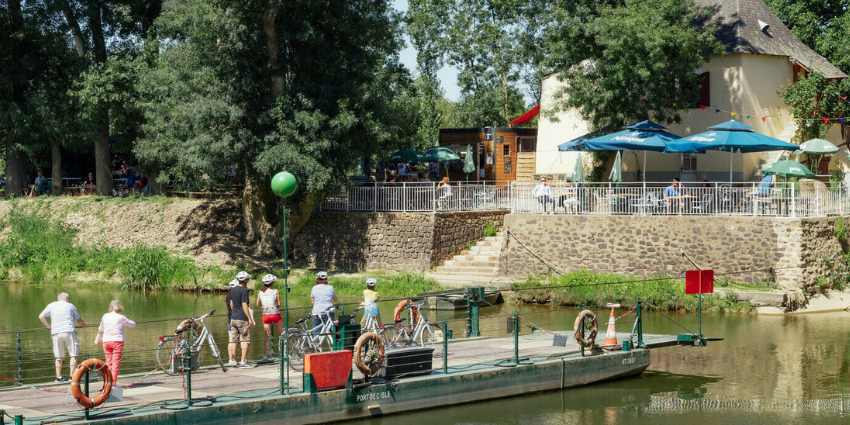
<point>478,369</point>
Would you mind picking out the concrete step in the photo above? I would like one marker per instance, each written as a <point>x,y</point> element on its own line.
<point>466,263</point>
<point>494,239</point>
<point>476,258</point>
<point>466,269</point>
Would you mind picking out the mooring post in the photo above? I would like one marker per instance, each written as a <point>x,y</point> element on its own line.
<point>188,365</point>
<point>516,339</point>
<point>19,358</point>
<point>283,383</point>
<point>474,295</point>
<point>445,347</point>
<point>639,324</point>
<point>19,419</point>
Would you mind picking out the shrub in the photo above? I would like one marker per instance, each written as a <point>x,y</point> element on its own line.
<point>490,229</point>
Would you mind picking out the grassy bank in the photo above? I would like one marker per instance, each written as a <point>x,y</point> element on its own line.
<point>390,285</point>
<point>590,288</point>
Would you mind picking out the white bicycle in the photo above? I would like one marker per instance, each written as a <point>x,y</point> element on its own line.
<point>423,331</point>
<point>171,349</point>
<point>304,340</point>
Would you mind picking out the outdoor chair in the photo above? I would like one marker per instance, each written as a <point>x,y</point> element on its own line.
<point>569,202</point>
<point>642,204</point>
<point>603,204</point>
<point>703,205</point>
<point>655,204</point>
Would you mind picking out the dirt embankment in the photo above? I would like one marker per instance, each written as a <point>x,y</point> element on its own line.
<point>210,232</point>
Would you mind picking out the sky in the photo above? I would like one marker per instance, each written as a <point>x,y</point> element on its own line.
<point>447,75</point>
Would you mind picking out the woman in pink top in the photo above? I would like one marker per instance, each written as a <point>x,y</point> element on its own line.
<point>112,327</point>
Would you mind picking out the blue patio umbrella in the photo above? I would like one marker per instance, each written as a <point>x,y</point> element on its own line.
<point>642,136</point>
<point>731,136</point>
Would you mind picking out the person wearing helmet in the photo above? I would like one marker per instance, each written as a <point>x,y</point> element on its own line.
<point>269,300</point>
<point>233,283</point>
<point>370,303</point>
<point>241,321</point>
<point>323,296</point>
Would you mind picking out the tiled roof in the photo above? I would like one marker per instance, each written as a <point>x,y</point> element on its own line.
<point>739,30</point>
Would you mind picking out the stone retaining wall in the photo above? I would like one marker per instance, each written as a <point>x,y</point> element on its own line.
<point>388,241</point>
<point>752,249</point>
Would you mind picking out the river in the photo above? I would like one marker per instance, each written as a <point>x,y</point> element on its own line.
<point>768,369</point>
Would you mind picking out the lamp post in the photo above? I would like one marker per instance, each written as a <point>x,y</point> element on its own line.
<point>284,185</point>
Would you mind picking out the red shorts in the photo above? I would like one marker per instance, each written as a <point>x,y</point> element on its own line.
<point>268,319</point>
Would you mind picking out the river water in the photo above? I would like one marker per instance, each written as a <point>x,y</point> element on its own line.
<point>768,369</point>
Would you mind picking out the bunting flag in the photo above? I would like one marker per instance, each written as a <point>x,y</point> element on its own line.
<point>764,119</point>
<point>701,107</point>
<point>716,111</point>
<point>748,116</point>
<point>733,113</point>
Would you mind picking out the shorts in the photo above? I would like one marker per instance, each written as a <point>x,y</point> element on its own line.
<point>268,319</point>
<point>63,341</point>
<point>239,331</point>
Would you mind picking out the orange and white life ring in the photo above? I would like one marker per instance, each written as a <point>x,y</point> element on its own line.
<point>586,315</point>
<point>358,360</point>
<point>400,308</point>
<point>91,364</point>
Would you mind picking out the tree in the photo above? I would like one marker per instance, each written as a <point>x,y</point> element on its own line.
<point>303,86</point>
<point>492,42</point>
<point>813,99</point>
<point>822,25</point>
<point>627,61</point>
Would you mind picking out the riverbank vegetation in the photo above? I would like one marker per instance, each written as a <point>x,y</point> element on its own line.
<point>390,285</point>
<point>589,288</point>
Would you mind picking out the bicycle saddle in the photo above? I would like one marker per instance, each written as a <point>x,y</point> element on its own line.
<point>397,321</point>
<point>301,320</point>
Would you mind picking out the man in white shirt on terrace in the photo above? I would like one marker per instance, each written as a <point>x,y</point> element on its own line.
<point>544,195</point>
<point>62,315</point>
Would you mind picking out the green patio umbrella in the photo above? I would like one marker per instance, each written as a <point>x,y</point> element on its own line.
<point>406,155</point>
<point>440,154</point>
<point>788,168</point>
<point>617,169</point>
<point>468,164</point>
<point>817,147</point>
<point>578,172</point>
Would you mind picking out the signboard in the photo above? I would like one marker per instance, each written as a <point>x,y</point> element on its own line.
<point>699,282</point>
<point>507,160</point>
<point>507,169</point>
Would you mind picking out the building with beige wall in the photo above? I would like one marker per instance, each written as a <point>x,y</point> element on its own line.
<point>745,80</point>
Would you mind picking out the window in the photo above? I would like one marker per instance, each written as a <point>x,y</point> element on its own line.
<point>704,90</point>
<point>506,149</point>
<point>689,162</point>
<point>526,144</point>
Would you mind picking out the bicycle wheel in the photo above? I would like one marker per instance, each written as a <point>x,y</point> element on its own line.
<point>295,351</point>
<point>215,351</point>
<point>170,349</point>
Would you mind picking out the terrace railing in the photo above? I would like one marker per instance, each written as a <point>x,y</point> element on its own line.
<point>717,198</point>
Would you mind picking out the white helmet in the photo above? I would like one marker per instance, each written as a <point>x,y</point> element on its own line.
<point>371,281</point>
<point>242,276</point>
<point>234,283</point>
<point>269,279</point>
<point>322,275</point>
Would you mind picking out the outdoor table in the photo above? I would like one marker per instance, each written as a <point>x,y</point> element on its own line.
<point>683,198</point>
<point>621,198</point>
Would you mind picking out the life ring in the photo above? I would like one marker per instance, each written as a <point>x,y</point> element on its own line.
<point>364,368</point>
<point>585,315</point>
<point>400,307</point>
<point>91,364</point>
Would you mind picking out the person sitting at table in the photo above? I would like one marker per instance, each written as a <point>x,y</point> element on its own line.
<point>40,186</point>
<point>543,193</point>
<point>88,186</point>
<point>124,170</point>
<point>132,178</point>
<point>673,191</point>
<point>394,178</point>
<point>446,190</point>
<point>142,183</point>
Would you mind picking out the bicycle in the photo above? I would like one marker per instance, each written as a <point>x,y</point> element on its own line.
<point>174,347</point>
<point>304,340</point>
<point>386,333</point>
<point>421,332</point>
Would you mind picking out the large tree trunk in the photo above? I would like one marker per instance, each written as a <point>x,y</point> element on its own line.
<point>102,150</point>
<point>56,167</point>
<point>71,19</point>
<point>260,214</point>
<point>16,168</point>
<point>154,187</point>
<point>273,47</point>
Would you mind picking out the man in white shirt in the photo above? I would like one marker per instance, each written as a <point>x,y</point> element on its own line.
<point>544,195</point>
<point>62,315</point>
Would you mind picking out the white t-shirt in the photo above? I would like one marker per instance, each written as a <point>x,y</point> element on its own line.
<point>323,297</point>
<point>268,299</point>
<point>542,190</point>
<point>62,315</point>
<point>112,325</point>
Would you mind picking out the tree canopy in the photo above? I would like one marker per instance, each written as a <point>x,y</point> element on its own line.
<point>823,25</point>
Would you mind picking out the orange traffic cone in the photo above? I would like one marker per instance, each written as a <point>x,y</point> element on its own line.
<point>611,335</point>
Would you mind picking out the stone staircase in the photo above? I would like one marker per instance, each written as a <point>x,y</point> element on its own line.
<point>767,158</point>
<point>476,266</point>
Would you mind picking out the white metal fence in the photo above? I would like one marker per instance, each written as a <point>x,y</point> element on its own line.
<point>756,199</point>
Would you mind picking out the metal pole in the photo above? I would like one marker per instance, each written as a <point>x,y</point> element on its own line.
<point>445,347</point>
<point>187,359</point>
<point>286,296</point>
<point>516,339</point>
<point>640,324</point>
<point>700,310</point>
<point>86,385</point>
<point>283,383</point>
<point>19,419</point>
<point>19,357</point>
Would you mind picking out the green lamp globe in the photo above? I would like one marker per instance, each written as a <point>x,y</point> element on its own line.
<point>283,184</point>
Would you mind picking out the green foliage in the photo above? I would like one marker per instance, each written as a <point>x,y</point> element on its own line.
<point>390,285</point>
<point>812,98</point>
<point>490,229</point>
<point>145,267</point>
<point>591,288</point>
<point>824,26</point>
<point>627,61</point>
<point>840,229</point>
